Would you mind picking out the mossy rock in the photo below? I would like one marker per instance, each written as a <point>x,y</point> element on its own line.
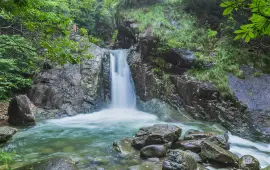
<point>124,146</point>
<point>248,162</point>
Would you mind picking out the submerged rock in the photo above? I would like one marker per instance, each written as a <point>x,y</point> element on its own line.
<point>59,163</point>
<point>124,146</point>
<point>146,166</point>
<point>6,133</point>
<point>156,134</point>
<point>20,111</point>
<point>153,151</point>
<point>215,153</point>
<point>179,160</point>
<point>248,162</point>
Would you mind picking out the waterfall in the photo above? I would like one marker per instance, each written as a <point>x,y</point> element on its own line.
<point>123,93</point>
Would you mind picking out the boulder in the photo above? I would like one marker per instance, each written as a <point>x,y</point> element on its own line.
<point>156,134</point>
<point>196,134</point>
<point>213,152</point>
<point>6,133</point>
<point>192,145</point>
<point>248,162</point>
<point>153,151</point>
<point>220,140</point>
<point>58,163</point>
<point>20,111</point>
<point>124,146</point>
<point>179,160</point>
<point>196,156</point>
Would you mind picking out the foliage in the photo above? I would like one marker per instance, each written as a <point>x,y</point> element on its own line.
<point>259,20</point>
<point>114,36</point>
<point>6,158</point>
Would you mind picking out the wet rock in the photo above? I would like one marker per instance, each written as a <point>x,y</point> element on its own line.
<point>124,146</point>
<point>20,111</point>
<point>248,162</point>
<point>73,88</point>
<point>153,160</point>
<point>156,134</point>
<point>146,166</point>
<point>221,140</point>
<point>6,133</point>
<point>192,145</point>
<point>58,163</point>
<point>179,160</point>
<point>196,156</point>
<point>215,153</point>
<point>196,134</point>
<point>180,57</point>
<point>153,151</point>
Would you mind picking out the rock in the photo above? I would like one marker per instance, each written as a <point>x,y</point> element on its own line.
<point>58,163</point>
<point>73,88</point>
<point>220,140</point>
<point>20,111</point>
<point>179,160</point>
<point>196,134</point>
<point>6,133</point>
<point>153,151</point>
<point>153,160</point>
<point>196,156</point>
<point>124,146</point>
<point>215,153</point>
<point>192,145</point>
<point>180,57</point>
<point>146,166</point>
<point>156,134</point>
<point>248,162</point>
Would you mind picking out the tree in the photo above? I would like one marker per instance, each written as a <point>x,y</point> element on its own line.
<point>259,17</point>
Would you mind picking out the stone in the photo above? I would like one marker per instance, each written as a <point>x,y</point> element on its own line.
<point>196,156</point>
<point>146,166</point>
<point>58,163</point>
<point>6,133</point>
<point>196,134</point>
<point>215,153</point>
<point>153,160</point>
<point>20,111</point>
<point>124,146</point>
<point>156,134</point>
<point>221,140</point>
<point>179,160</point>
<point>153,151</point>
<point>73,88</point>
<point>192,145</point>
<point>248,162</point>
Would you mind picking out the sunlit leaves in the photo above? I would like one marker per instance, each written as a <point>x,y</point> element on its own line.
<point>259,21</point>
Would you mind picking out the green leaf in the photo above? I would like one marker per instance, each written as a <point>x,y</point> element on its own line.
<point>228,11</point>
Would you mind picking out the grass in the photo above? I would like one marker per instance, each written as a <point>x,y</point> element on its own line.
<point>177,29</point>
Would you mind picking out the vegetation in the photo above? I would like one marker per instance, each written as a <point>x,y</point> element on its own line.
<point>6,159</point>
<point>175,28</point>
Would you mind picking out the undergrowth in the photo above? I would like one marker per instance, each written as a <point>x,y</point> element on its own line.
<point>175,28</point>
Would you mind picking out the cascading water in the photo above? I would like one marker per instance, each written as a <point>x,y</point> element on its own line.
<point>123,93</point>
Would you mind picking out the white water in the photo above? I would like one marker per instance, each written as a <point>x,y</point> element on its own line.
<point>123,93</point>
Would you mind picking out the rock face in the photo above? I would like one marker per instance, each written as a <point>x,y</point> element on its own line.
<point>156,134</point>
<point>178,159</point>
<point>248,162</point>
<point>153,151</point>
<point>51,164</point>
<point>20,111</point>
<point>75,88</point>
<point>6,133</point>
<point>213,152</point>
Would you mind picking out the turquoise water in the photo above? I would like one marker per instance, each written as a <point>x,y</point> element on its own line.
<point>88,138</point>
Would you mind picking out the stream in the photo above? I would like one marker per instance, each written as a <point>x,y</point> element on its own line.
<point>88,138</point>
